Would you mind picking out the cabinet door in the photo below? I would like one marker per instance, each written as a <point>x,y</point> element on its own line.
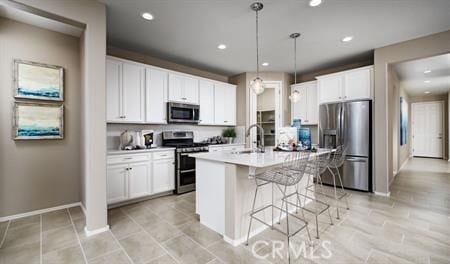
<point>176,83</point>
<point>190,90</point>
<point>116,182</point>
<point>156,95</point>
<point>357,84</point>
<point>113,90</point>
<point>163,176</point>
<point>330,89</point>
<point>138,176</point>
<point>219,104</point>
<point>230,105</point>
<point>206,100</point>
<point>133,92</point>
<point>300,108</point>
<point>313,105</point>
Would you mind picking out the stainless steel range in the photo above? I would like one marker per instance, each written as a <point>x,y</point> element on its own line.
<point>184,143</point>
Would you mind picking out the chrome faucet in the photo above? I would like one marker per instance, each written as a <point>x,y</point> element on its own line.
<point>260,148</point>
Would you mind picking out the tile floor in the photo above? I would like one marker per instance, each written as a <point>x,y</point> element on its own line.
<point>411,226</point>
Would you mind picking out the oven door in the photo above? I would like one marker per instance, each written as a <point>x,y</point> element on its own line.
<point>182,113</point>
<point>185,173</point>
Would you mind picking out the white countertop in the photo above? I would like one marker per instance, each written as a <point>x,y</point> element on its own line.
<point>135,151</point>
<point>257,160</point>
<point>225,145</point>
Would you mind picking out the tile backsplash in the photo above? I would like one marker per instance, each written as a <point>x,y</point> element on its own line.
<point>200,132</point>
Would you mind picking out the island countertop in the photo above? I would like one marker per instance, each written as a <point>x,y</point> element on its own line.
<point>256,160</point>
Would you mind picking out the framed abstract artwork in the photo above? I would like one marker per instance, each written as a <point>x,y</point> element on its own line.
<point>403,121</point>
<point>38,121</point>
<point>39,81</point>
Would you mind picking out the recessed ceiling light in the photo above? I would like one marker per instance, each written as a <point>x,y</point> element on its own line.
<point>314,3</point>
<point>347,39</point>
<point>427,71</point>
<point>427,92</point>
<point>427,81</point>
<point>147,16</point>
<point>222,46</point>
<point>265,64</point>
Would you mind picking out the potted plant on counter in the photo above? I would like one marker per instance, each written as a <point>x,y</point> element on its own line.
<point>229,134</point>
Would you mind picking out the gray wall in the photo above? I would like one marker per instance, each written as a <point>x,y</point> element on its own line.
<point>42,173</point>
<point>384,103</point>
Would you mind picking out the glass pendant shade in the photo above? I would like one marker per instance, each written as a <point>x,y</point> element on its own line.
<point>257,86</point>
<point>295,96</point>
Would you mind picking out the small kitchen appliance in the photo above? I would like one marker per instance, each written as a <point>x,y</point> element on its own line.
<point>147,138</point>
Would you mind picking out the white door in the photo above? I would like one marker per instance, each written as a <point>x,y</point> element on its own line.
<point>219,104</point>
<point>313,105</point>
<point>116,181</point>
<point>330,89</point>
<point>190,90</point>
<point>300,108</point>
<point>206,101</point>
<point>176,83</point>
<point>230,105</point>
<point>133,92</point>
<point>138,176</point>
<point>427,127</point>
<point>357,84</point>
<point>156,93</point>
<point>163,176</point>
<point>113,90</point>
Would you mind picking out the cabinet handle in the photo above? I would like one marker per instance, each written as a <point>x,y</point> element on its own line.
<point>183,98</point>
<point>225,121</point>
<point>128,158</point>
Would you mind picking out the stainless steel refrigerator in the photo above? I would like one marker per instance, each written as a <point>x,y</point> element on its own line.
<point>349,124</point>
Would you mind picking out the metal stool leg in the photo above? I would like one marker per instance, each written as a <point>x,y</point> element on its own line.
<point>287,226</point>
<point>335,193</point>
<point>251,214</point>
<point>342,187</point>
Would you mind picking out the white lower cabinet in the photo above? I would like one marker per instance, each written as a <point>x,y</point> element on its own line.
<point>163,176</point>
<point>225,147</point>
<point>132,176</point>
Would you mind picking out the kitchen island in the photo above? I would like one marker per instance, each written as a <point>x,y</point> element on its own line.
<point>224,191</point>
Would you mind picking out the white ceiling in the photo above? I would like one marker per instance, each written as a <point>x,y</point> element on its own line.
<point>412,76</point>
<point>188,31</point>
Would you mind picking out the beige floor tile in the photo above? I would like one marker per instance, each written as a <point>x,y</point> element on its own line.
<point>22,235</point>
<point>123,226</point>
<point>29,254</point>
<point>166,259</point>
<point>58,238</point>
<point>184,207</point>
<point>79,227</point>
<point>99,245</point>
<point>162,231</point>
<point>229,254</point>
<point>377,257</point>
<point>3,226</point>
<point>141,248</point>
<point>187,251</point>
<point>76,212</point>
<point>55,220</point>
<point>115,212</point>
<point>143,215</point>
<point>70,255</point>
<point>21,222</point>
<point>116,257</point>
<point>175,217</point>
<point>439,260</point>
<point>200,233</point>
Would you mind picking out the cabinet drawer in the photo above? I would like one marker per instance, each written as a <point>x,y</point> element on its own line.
<point>117,159</point>
<point>163,155</point>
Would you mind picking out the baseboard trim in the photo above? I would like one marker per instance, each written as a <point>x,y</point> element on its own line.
<point>40,211</point>
<point>383,194</point>
<point>97,231</point>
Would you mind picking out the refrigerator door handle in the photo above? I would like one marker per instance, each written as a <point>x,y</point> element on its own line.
<point>355,160</point>
<point>342,124</point>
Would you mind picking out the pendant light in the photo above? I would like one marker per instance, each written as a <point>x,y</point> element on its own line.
<point>295,95</point>
<point>257,84</point>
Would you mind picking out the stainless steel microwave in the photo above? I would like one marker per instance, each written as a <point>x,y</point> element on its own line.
<point>182,113</point>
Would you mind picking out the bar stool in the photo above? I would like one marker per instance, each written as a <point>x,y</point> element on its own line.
<point>289,174</point>
<point>336,161</point>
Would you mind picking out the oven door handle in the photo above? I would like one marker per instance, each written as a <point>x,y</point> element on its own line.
<point>184,154</point>
<point>186,171</point>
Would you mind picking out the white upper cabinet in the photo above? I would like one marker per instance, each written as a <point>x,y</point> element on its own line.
<point>225,104</point>
<point>206,94</point>
<point>133,92</point>
<point>348,85</point>
<point>113,90</point>
<point>358,84</point>
<point>307,107</point>
<point>124,92</point>
<point>156,95</point>
<point>183,88</point>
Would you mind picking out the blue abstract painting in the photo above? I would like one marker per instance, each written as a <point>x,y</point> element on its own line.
<point>38,81</point>
<point>403,121</point>
<point>38,121</point>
